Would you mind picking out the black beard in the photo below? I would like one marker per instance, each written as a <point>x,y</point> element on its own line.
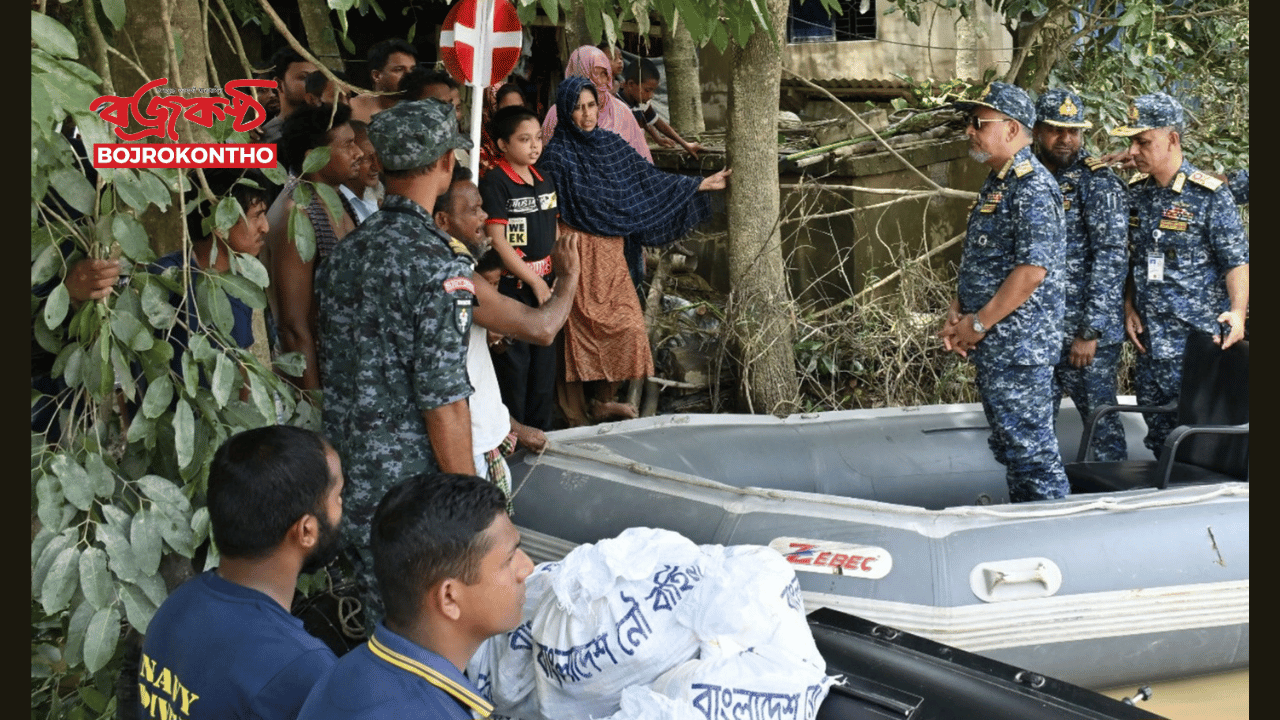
<point>326,547</point>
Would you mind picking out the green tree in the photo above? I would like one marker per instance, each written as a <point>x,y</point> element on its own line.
<point>1112,50</point>
<point>118,499</point>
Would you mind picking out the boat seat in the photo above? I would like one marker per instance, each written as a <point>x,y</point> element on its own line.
<point>1210,443</point>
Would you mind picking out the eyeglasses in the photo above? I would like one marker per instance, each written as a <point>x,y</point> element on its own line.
<point>975,122</point>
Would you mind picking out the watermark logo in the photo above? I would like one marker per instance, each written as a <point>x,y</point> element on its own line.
<point>202,106</point>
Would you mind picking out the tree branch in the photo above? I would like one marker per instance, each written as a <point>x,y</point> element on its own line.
<point>99,45</point>
<point>293,43</point>
<point>230,31</point>
<point>867,127</point>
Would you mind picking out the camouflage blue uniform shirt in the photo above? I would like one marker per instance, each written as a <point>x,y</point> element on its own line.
<point>1096,207</point>
<point>395,306</point>
<point>1191,230</point>
<point>1017,221</point>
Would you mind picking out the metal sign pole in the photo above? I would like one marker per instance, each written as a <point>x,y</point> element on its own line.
<point>480,72</point>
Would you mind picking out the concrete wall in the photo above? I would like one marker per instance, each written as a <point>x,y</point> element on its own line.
<point>942,46</point>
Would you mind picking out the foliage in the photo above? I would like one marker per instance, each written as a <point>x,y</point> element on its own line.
<point>1108,51</point>
<point>122,486</point>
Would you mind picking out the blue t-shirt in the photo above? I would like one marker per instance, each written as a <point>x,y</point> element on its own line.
<point>219,650</point>
<point>391,677</point>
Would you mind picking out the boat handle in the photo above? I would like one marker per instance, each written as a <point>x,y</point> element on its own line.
<point>1035,680</point>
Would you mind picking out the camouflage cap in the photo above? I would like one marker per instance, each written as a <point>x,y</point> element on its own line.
<point>1008,99</point>
<point>1062,108</point>
<point>414,134</point>
<point>1147,112</point>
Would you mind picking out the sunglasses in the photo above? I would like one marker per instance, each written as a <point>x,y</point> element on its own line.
<point>976,122</point>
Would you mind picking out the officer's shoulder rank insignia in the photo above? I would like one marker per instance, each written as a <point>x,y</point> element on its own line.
<point>458,247</point>
<point>1137,178</point>
<point>1094,164</point>
<point>1022,168</point>
<point>1203,178</point>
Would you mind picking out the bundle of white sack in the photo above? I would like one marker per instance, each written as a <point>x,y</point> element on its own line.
<point>648,625</point>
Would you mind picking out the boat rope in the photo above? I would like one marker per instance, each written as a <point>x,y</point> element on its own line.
<point>532,466</point>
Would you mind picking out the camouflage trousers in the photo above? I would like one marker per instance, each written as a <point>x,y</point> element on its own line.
<point>1089,387</point>
<point>1157,382</point>
<point>1019,407</point>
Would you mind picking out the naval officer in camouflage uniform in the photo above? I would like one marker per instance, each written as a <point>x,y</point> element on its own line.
<point>1188,257</point>
<point>1007,317</point>
<point>395,304</point>
<point>1096,207</point>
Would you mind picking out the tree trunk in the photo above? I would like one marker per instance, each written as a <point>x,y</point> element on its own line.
<point>575,33</point>
<point>760,306</point>
<point>684,89</point>
<point>145,39</point>
<point>321,40</point>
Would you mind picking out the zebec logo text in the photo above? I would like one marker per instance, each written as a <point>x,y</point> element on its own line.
<point>160,119</point>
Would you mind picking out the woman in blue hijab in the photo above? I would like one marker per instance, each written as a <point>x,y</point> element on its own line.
<point>605,190</point>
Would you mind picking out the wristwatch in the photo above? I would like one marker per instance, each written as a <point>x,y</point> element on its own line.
<point>1089,334</point>
<point>978,327</point>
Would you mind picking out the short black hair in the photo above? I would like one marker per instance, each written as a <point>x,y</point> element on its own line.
<point>444,201</point>
<point>381,52</point>
<point>647,71</point>
<point>507,119</point>
<point>261,482</point>
<point>359,127</point>
<point>413,82</point>
<point>490,260</point>
<point>427,529</point>
<point>507,89</point>
<point>239,183</point>
<point>307,128</point>
<point>282,59</point>
<point>316,83</point>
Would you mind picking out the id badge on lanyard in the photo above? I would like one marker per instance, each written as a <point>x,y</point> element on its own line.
<point>1155,261</point>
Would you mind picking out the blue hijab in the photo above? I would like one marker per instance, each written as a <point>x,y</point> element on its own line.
<point>604,187</point>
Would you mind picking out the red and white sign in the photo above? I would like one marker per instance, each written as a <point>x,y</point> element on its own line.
<point>823,556</point>
<point>478,52</point>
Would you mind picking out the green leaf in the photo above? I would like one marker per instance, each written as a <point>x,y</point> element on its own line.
<point>329,197</point>
<point>56,306</point>
<point>132,238</point>
<point>227,214</point>
<point>302,232</point>
<point>277,174</point>
<point>46,264</point>
<point>153,587</point>
<point>60,584</point>
<point>104,478</point>
<point>93,698</point>
<point>200,525</point>
<point>115,12</point>
<point>74,189</point>
<point>144,537</point>
<point>127,328</point>
<point>49,35</point>
<point>138,608</point>
<point>262,399</point>
<point>247,292</point>
<point>100,638</point>
<point>40,569</point>
<point>73,651</point>
<point>316,159</point>
<point>77,486</point>
<point>95,579</point>
<point>49,501</point>
<point>292,364</point>
<point>252,269</point>
<point>118,551</point>
<point>184,433</point>
<point>154,189</point>
<point>214,305</point>
<point>159,396</point>
<point>132,193</point>
<point>156,306</point>
<point>175,528</point>
<point>224,377</point>
<point>719,37</point>
<point>164,492</point>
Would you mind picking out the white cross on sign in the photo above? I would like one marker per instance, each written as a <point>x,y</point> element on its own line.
<point>483,58</point>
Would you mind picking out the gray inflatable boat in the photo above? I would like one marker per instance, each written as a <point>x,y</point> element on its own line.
<point>901,516</point>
